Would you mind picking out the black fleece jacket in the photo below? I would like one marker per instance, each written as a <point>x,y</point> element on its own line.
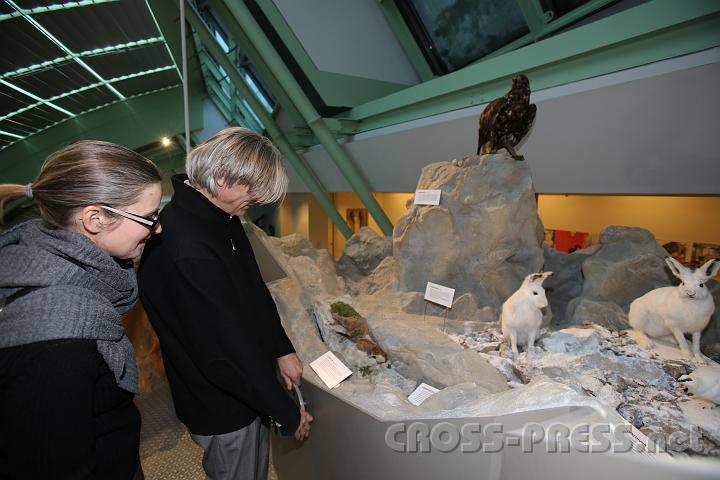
<point>219,330</point>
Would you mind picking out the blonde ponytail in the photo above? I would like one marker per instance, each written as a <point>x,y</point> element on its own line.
<point>9,191</point>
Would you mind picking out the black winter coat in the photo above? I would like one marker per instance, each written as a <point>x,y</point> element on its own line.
<point>219,330</point>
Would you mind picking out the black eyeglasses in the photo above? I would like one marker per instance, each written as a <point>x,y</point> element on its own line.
<point>149,222</point>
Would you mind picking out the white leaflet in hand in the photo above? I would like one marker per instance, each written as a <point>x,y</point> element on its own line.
<point>438,294</point>
<point>421,394</point>
<point>330,369</point>
<point>427,197</point>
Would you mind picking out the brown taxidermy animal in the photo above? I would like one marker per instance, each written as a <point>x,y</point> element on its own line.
<point>371,348</point>
<point>506,120</point>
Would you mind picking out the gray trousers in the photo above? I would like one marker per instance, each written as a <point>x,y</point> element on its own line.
<point>238,455</point>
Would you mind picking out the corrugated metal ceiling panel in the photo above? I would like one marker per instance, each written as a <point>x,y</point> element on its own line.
<point>86,100</point>
<point>146,83</point>
<point>23,45</point>
<point>39,117</point>
<point>101,25</point>
<point>14,127</point>
<point>135,60</point>
<point>54,81</point>
<point>11,100</point>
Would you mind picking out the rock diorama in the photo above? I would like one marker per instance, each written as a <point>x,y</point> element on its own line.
<point>483,240</point>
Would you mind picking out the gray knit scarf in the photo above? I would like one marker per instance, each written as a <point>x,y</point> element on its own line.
<point>59,284</point>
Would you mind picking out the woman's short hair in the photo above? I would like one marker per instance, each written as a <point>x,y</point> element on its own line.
<point>89,172</point>
<point>239,155</point>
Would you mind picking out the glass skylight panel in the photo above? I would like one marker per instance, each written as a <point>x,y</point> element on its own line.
<point>463,31</point>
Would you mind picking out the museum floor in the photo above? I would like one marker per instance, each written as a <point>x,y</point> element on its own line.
<point>166,449</point>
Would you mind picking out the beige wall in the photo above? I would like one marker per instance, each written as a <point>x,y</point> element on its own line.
<point>393,204</point>
<point>672,218</point>
<point>681,219</point>
<point>294,213</point>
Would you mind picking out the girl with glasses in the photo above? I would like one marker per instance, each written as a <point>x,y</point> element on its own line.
<point>67,370</point>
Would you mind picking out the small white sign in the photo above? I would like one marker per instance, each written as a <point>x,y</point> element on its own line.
<point>438,294</point>
<point>330,369</point>
<point>421,394</point>
<point>427,197</point>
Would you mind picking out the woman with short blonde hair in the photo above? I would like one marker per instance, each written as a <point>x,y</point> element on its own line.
<point>219,329</point>
<point>261,166</point>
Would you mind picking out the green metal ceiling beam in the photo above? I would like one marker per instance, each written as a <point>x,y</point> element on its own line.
<point>407,40</point>
<point>232,105</point>
<point>541,23</point>
<point>535,16</point>
<point>52,8</point>
<point>251,28</point>
<point>86,53</point>
<point>39,101</point>
<point>239,37</point>
<point>11,135</point>
<point>218,55</point>
<point>648,33</point>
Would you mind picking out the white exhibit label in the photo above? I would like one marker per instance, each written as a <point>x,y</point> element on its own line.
<point>427,197</point>
<point>330,369</point>
<point>438,294</point>
<point>421,394</point>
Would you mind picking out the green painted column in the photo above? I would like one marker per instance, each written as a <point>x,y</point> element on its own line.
<point>316,123</point>
<point>277,136</point>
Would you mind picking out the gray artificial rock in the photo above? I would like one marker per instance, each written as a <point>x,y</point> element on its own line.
<point>628,264</point>
<point>710,340</point>
<point>316,276</point>
<point>582,310</point>
<point>566,283</point>
<point>483,238</point>
<point>464,309</point>
<point>363,252</point>
<point>295,245</point>
<point>574,341</point>
<point>454,397</point>
<point>382,278</point>
<point>427,355</point>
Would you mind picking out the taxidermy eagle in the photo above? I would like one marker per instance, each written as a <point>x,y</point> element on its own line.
<point>506,120</point>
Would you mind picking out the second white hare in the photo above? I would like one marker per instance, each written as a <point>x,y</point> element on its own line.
<point>678,310</point>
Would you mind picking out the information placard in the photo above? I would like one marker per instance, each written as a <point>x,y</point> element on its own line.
<point>330,369</point>
<point>421,394</point>
<point>439,294</point>
<point>427,197</point>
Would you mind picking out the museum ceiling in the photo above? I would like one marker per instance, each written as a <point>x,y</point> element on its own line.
<point>62,60</point>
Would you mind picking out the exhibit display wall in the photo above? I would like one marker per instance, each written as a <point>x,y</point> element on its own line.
<point>670,218</point>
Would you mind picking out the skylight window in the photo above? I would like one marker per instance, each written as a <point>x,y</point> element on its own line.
<point>455,33</point>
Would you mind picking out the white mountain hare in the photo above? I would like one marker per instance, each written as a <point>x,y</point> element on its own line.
<point>521,316</point>
<point>704,382</point>
<point>678,310</point>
